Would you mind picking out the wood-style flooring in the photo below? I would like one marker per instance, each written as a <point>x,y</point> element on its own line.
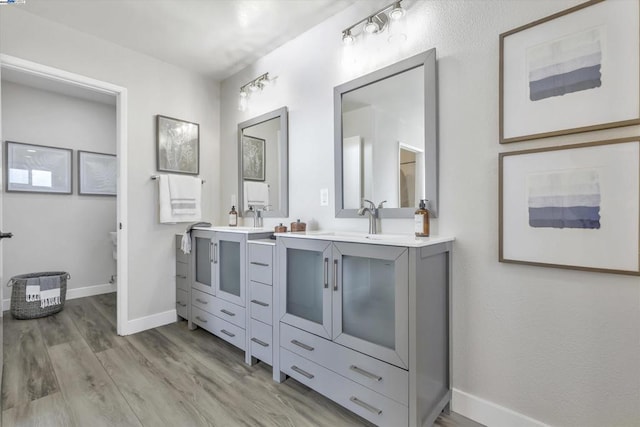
<point>71,369</point>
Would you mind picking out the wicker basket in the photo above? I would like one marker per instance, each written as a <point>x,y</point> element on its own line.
<point>23,309</point>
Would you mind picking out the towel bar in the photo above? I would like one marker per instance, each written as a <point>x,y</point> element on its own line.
<point>154,177</point>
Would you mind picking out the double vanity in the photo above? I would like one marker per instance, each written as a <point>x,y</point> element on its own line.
<point>362,319</point>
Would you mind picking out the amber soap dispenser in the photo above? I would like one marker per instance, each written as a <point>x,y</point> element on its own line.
<point>421,220</point>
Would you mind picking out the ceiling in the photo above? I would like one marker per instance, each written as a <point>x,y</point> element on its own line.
<point>216,38</point>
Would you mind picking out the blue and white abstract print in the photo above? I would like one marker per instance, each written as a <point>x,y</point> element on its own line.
<point>567,65</point>
<point>567,199</point>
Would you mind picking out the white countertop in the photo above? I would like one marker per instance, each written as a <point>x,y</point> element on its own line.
<point>407,240</point>
<point>268,242</point>
<point>243,230</point>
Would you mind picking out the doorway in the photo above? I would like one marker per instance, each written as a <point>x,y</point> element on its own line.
<point>87,87</point>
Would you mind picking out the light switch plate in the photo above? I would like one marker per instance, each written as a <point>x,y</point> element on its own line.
<point>324,197</point>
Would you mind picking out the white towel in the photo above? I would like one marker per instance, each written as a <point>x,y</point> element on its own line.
<point>167,215</point>
<point>183,192</point>
<point>185,243</point>
<point>33,289</point>
<point>49,291</point>
<point>256,194</point>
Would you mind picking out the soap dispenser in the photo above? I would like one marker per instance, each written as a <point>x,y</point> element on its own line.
<point>422,220</point>
<point>233,217</point>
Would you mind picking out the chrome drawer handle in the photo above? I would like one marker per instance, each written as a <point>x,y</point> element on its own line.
<point>228,313</point>
<point>361,371</point>
<point>202,301</point>
<point>335,274</point>
<point>257,341</point>
<point>224,331</point>
<point>201,319</point>
<point>261,264</point>
<point>302,345</point>
<point>181,277</point>
<point>181,304</point>
<point>302,372</point>
<point>326,273</point>
<point>365,405</point>
<point>264,304</point>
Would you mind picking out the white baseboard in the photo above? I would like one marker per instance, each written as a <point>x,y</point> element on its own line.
<point>86,291</point>
<point>489,413</point>
<point>149,322</point>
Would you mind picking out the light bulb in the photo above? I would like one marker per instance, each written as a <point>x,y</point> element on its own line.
<point>397,12</point>
<point>371,27</point>
<point>347,37</point>
<point>253,87</point>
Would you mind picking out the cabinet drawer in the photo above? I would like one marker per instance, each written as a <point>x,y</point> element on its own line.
<point>230,312</point>
<point>182,275</point>
<point>370,405</point>
<point>372,373</point>
<point>221,328</point>
<point>261,341</point>
<point>261,302</point>
<point>180,256</point>
<point>261,263</point>
<point>203,301</point>
<point>182,303</point>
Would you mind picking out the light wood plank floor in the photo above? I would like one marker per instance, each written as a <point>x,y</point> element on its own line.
<point>71,369</point>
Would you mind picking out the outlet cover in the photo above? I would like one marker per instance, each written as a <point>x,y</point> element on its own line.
<point>324,197</point>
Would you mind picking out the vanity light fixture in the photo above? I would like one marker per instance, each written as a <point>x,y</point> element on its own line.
<point>375,23</point>
<point>253,86</point>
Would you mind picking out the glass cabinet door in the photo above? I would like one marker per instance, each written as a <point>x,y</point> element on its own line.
<point>370,301</point>
<point>229,267</point>
<point>305,295</point>
<point>202,247</point>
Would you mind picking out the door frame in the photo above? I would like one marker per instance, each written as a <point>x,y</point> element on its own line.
<point>88,83</point>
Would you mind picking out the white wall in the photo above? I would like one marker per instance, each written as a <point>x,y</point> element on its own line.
<point>55,232</point>
<point>556,345</point>
<point>154,87</point>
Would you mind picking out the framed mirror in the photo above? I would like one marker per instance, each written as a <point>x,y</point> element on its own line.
<point>386,145</point>
<point>263,174</point>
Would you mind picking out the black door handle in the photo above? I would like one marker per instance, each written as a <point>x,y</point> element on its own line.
<point>6,235</point>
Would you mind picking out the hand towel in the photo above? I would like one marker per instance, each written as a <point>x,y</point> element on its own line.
<point>33,289</point>
<point>49,291</point>
<point>183,191</point>
<point>167,216</point>
<point>185,244</point>
<point>256,194</point>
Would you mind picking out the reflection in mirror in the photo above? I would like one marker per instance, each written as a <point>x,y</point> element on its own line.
<point>385,139</point>
<point>263,164</point>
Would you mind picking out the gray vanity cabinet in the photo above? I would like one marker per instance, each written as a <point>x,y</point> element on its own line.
<point>260,306</point>
<point>183,285</point>
<point>367,325</point>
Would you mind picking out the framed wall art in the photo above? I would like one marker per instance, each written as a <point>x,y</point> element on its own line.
<point>575,71</point>
<point>96,174</point>
<point>253,158</point>
<point>178,146</point>
<point>34,168</point>
<point>574,207</point>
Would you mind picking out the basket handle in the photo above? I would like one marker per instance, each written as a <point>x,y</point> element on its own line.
<point>68,276</point>
<point>10,283</point>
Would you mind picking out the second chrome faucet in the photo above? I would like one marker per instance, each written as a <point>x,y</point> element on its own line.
<point>372,210</point>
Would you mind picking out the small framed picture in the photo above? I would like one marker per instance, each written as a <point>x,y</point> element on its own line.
<point>34,168</point>
<point>575,71</point>
<point>253,158</point>
<point>96,174</point>
<point>573,207</point>
<point>178,146</point>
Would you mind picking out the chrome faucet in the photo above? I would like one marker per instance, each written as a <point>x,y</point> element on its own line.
<point>373,215</point>
<point>257,216</point>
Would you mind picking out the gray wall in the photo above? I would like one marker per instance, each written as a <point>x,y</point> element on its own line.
<point>559,346</point>
<point>153,87</point>
<point>58,232</point>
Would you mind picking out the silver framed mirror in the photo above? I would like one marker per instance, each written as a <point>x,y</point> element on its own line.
<point>263,174</point>
<point>385,139</point>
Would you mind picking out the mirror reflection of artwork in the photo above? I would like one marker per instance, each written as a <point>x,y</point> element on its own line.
<point>178,146</point>
<point>253,158</point>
